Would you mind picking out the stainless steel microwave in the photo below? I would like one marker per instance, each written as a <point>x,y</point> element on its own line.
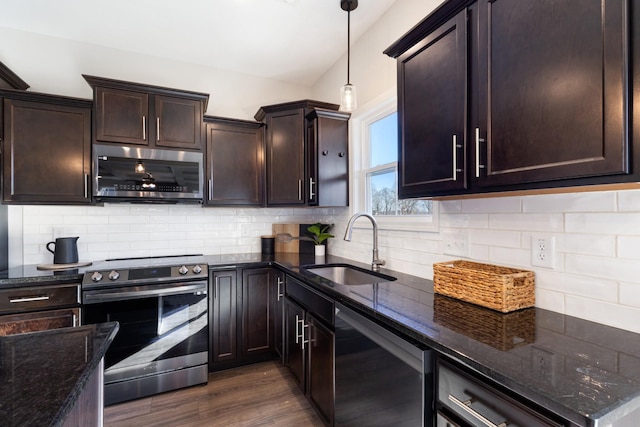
<point>145,175</point>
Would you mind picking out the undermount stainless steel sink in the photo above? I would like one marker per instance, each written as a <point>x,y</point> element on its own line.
<point>348,275</point>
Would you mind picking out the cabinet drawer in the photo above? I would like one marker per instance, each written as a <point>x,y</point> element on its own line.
<point>39,321</point>
<point>320,306</point>
<point>480,404</point>
<point>38,298</point>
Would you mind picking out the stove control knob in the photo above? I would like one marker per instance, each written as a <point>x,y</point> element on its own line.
<point>96,276</point>
<point>183,270</point>
<point>114,275</point>
<point>197,269</point>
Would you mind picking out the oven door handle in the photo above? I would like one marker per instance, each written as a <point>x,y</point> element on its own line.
<point>120,294</point>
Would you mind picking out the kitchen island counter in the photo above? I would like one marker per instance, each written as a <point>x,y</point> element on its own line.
<point>43,374</point>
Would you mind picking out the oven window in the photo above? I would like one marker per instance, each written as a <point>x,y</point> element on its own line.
<point>154,332</point>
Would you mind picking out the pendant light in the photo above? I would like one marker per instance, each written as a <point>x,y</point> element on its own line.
<point>348,99</point>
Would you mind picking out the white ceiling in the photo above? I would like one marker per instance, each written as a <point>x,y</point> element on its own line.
<point>290,40</point>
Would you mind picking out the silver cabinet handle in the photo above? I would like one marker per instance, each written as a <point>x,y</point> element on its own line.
<point>455,158</point>
<point>280,287</point>
<point>478,141</point>
<point>158,129</point>
<point>311,193</point>
<point>299,189</point>
<point>86,185</point>
<point>465,406</point>
<point>211,189</point>
<point>144,128</point>
<point>28,299</point>
<point>303,328</point>
<point>297,329</point>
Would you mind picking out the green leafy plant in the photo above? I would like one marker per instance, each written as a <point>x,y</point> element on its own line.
<point>319,232</point>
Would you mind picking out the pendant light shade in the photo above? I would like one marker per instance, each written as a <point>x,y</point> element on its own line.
<point>348,98</point>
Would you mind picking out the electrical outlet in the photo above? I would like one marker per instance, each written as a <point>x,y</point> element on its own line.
<point>456,244</point>
<point>543,251</point>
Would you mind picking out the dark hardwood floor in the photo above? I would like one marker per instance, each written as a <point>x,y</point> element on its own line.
<point>256,395</point>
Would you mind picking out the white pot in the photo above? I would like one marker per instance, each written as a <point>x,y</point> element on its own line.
<point>320,250</point>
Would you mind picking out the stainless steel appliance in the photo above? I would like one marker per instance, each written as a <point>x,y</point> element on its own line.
<point>138,174</point>
<point>161,305</point>
<point>380,378</point>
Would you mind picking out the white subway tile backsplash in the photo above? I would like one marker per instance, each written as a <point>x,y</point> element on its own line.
<point>570,202</point>
<point>504,238</point>
<point>587,244</point>
<point>630,294</point>
<point>548,223</point>
<point>597,272</point>
<point>492,205</point>
<point>602,312</point>
<point>609,268</point>
<point>629,200</point>
<point>603,223</point>
<point>629,247</point>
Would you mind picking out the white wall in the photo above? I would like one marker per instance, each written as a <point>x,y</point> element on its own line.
<point>54,65</point>
<point>597,273</point>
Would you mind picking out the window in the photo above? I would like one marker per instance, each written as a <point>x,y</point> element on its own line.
<point>377,131</point>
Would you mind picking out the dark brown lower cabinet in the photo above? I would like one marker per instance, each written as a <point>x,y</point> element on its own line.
<point>309,353</point>
<point>241,320</point>
<point>223,349</point>
<point>88,411</point>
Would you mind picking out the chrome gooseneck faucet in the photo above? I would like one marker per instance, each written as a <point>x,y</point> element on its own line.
<point>376,263</point>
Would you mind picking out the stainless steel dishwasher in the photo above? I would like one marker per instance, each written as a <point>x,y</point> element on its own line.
<point>380,378</point>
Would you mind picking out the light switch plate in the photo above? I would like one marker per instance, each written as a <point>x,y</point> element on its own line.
<point>456,243</point>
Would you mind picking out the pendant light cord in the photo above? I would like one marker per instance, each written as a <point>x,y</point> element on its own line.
<point>348,44</point>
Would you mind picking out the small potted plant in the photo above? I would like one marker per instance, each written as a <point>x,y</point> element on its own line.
<point>319,234</point>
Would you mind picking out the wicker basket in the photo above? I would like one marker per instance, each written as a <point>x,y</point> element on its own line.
<point>499,288</point>
<point>504,331</point>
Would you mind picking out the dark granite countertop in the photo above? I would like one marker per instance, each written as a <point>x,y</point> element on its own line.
<point>43,373</point>
<point>581,370</point>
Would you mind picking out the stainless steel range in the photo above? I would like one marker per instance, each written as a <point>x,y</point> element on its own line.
<point>161,305</point>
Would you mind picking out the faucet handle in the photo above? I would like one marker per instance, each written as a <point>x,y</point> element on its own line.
<point>376,263</point>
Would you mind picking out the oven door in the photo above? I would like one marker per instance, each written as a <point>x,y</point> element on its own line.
<point>163,330</point>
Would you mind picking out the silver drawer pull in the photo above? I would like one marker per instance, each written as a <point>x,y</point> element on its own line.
<point>465,406</point>
<point>29,299</point>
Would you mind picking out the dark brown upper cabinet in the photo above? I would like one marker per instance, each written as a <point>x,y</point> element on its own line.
<point>46,149</point>
<point>296,135</point>
<point>234,162</point>
<point>431,143</point>
<point>499,95</point>
<point>133,113</point>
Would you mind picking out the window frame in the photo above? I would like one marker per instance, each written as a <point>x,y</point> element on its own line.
<point>360,121</point>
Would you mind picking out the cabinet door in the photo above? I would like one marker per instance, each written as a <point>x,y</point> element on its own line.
<point>222,319</point>
<point>552,90</point>
<point>178,122</point>
<point>257,322</point>
<point>285,158</point>
<point>432,92</point>
<point>320,380</point>
<point>278,314</point>
<point>235,164</point>
<point>122,116</point>
<point>328,159</point>
<point>294,355</point>
<point>46,153</point>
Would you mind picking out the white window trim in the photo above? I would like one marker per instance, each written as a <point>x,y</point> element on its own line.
<point>361,119</point>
